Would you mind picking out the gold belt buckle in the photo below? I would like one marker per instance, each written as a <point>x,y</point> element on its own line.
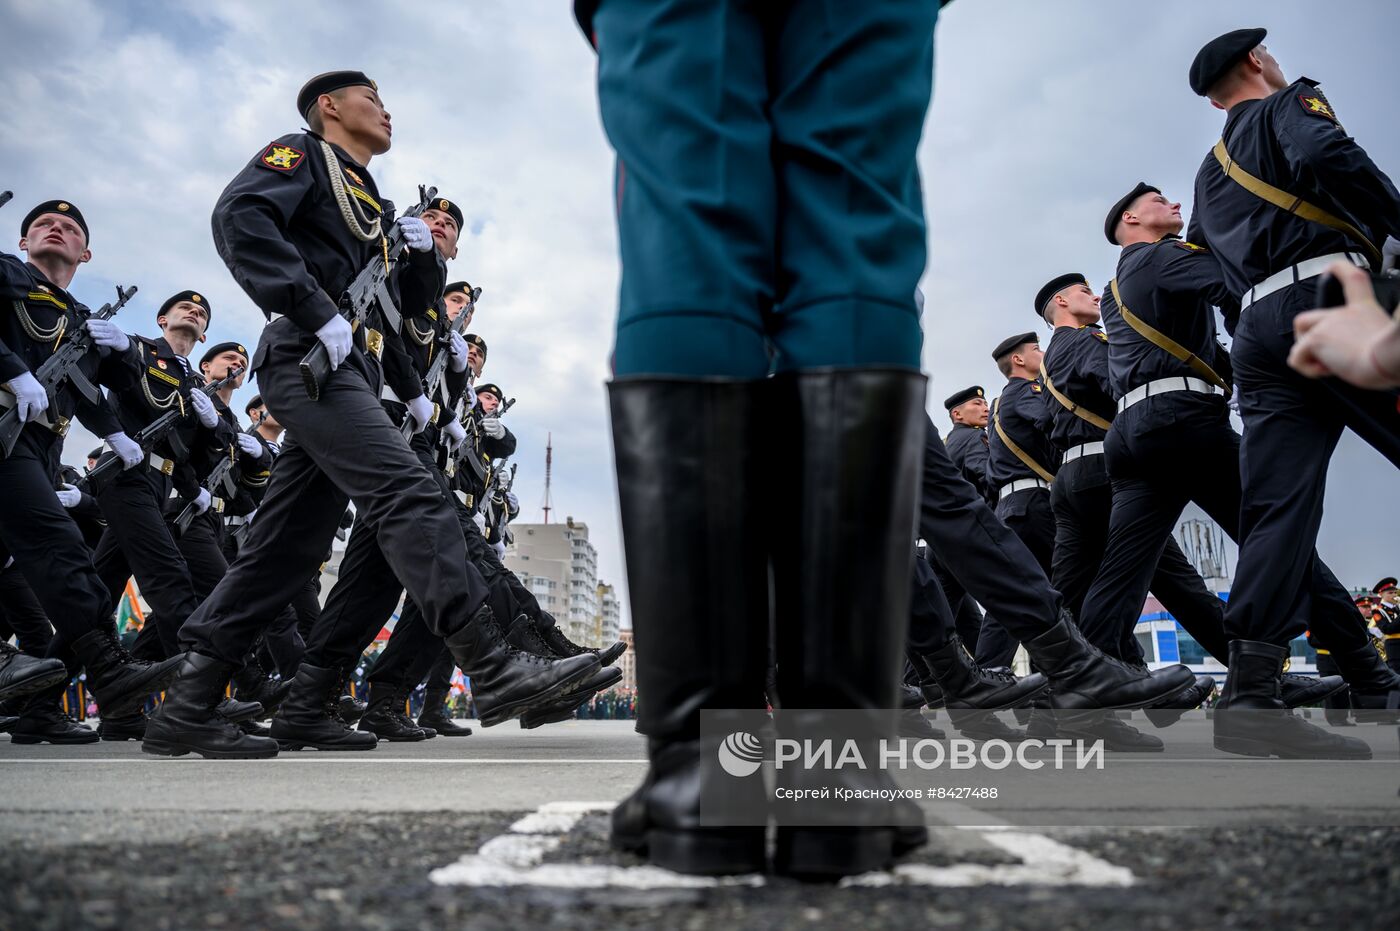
<point>167,467</point>
<point>61,426</point>
<point>437,409</point>
<point>218,505</point>
<point>374,342</point>
<point>471,501</point>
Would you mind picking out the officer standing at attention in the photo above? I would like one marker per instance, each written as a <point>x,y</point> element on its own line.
<point>1284,194</point>
<point>295,227</point>
<point>36,314</point>
<point>1020,466</point>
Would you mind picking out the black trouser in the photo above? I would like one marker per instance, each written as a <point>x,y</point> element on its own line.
<point>138,542</point>
<point>1159,461</point>
<point>990,561</point>
<point>342,447</point>
<point>47,545</point>
<point>1028,515</point>
<point>930,618</point>
<point>282,641</point>
<point>1082,497</point>
<point>1292,425</point>
<point>22,614</point>
<point>967,617</point>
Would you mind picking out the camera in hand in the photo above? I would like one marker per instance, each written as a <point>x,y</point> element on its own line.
<point>1387,288</point>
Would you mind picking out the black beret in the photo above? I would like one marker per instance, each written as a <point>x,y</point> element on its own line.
<point>493,389</point>
<point>96,453</point>
<point>1055,286</point>
<point>1219,54</point>
<point>254,401</point>
<point>194,297</point>
<point>449,208</point>
<point>1385,584</point>
<point>230,346</point>
<point>478,342</point>
<point>330,81</point>
<point>55,206</point>
<point>1012,343</point>
<point>463,286</point>
<point>1115,213</point>
<point>962,397</point>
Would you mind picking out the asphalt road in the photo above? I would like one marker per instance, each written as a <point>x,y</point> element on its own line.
<point>469,833</point>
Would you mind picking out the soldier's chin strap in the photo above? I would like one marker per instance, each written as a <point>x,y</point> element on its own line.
<point>1290,203</point>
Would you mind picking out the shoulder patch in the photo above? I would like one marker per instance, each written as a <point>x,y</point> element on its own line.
<point>1101,336</point>
<point>283,158</point>
<point>1315,105</point>
<point>1190,246</point>
<point>1035,386</point>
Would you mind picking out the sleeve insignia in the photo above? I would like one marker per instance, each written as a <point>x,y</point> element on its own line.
<point>1316,106</point>
<point>1101,336</point>
<point>282,158</point>
<point>1191,246</point>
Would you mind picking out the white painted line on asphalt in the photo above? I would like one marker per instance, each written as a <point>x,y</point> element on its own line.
<point>516,859</point>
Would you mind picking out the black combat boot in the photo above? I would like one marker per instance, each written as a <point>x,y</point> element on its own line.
<point>385,717</point>
<point>1297,690</point>
<point>253,684</point>
<point>434,715</point>
<point>1251,719</point>
<point>562,646</point>
<point>1371,682</point>
<point>527,634</point>
<point>126,727</point>
<point>507,682</point>
<point>1083,679</point>
<point>1168,711</point>
<point>912,723</point>
<point>254,729</point>
<point>350,709</point>
<point>689,474</point>
<point>844,448</point>
<point>239,711</point>
<point>309,717</point>
<point>187,720</point>
<point>43,720</point>
<point>1117,735</point>
<point>22,674</point>
<point>120,683</point>
<point>967,686</point>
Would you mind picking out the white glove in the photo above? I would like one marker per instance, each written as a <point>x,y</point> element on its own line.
<point>480,520</point>
<point>202,501</point>
<point>416,234</point>
<point>1233,403</point>
<point>453,435</point>
<point>335,334</point>
<point>204,409</point>
<point>492,427</point>
<point>468,398</point>
<point>107,334</point>
<point>248,518</point>
<point>127,449</point>
<point>457,348</point>
<point>250,446</point>
<point>69,495</point>
<point>513,501</point>
<point>500,549</point>
<point>31,400</point>
<point>420,409</point>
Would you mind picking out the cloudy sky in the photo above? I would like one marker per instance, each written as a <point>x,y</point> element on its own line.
<point>1043,114</point>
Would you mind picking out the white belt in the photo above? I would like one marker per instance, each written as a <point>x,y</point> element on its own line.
<point>1083,449</point>
<point>236,520</point>
<point>7,399</point>
<point>163,466</point>
<point>1294,274</point>
<point>1166,386</point>
<point>387,394</point>
<point>1021,484</point>
<point>463,497</point>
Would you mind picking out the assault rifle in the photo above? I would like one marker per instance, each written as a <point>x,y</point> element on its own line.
<point>370,289</point>
<point>5,197</point>
<point>151,434</point>
<point>466,452</point>
<point>432,381</point>
<point>62,367</point>
<point>219,477</point>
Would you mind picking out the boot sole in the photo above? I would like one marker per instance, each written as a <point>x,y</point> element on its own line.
<point>120,738</point>
<point>830,854</point>
<point>30,739</point>
<point>159,747</point>
<point>35,682</point>
<point>1312,698</point>
<point>707,852</point>
<point>1250,746</point>
<point>1009,701</point>
<point>398,740</point>
<point>294,745</point>
<point>549,696</point>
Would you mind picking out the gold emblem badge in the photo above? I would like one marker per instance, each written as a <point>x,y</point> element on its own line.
<point>444,206</point>
<point>196,298</point>
<point>63,207</point>
<point>1317,106</point>
<point>280,157</point>
<point>352,176</point>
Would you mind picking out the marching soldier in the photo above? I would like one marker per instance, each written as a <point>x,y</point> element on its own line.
<point>295,227</point>
<point>967,442</point>
<point>1021,464</point>
<point>1284,194</point>
<point>1385,611</point>
<point>37,314</point>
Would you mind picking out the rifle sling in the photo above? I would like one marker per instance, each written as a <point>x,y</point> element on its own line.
<point>1164,342</point>
<point>1072,407</point>
<point>1017,451</point>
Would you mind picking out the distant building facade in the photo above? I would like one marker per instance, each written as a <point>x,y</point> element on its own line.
<point>559,566</point>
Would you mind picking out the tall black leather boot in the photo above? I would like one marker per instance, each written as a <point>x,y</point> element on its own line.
<point>1371,682</point>
<point>528,635</point>
<point>43,720</point>
<point>689,470</point>
<point>126,727</point>
<point>507,682</point>
<point>1082,679</point>
<point>1251,719</point>
<point>434,715</point>
<point>120,683</point>
<point>22,674</point>
<point>187,720</point>
<point>844,452</point>
<point>561,645</point>
<point>385,717</point>
<point>253,684</point>
<point>309,717</point>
